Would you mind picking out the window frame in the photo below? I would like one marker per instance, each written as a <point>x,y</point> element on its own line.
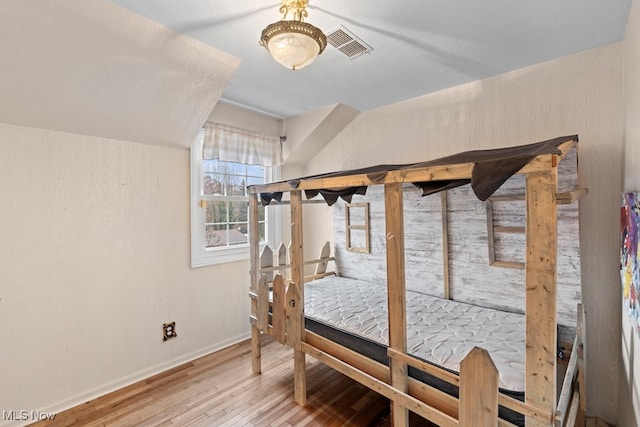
<point>201,255</point>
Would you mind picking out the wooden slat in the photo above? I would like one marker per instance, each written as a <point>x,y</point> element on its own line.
<point>313,277</point>
<point>490,236</point>
<point>569,197</point>
<point>507,198</point>
<point>394,219</point>
<point>567,386</point>
<point>478,389</point>
<point>254,242</point>
<point>357,227</point>
<point>292,299</point>
<point>266,261</point>
<point>371,367</point>
<point>573,410</point>
<point>297,276</point>
<point>278,309</point>
<point>445,244</point>
<point>508,264</point>
<point>519,230</point>
<point>564,198</point>
<point>582,368</point>
<point>325,252</point>
<point>525,409</point>
<point>347,225</point>
<point>263,304</point>
<point>541,291</point>
<point>432,396</point>
<point>404,400</point>
<point>282,260</point>
<point>288,266</point>
<point>428,368</point>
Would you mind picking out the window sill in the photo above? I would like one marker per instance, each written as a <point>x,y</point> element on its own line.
<point>219,256</point>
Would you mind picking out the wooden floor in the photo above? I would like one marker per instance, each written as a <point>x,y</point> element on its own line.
<point>220,390</point>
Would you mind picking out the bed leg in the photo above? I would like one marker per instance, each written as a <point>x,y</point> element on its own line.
<point>300,377</point>
<point>256,350</point>
<point>399,415</point>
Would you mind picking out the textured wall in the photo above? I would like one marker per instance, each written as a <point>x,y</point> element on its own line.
<point>579,94</point>
<point>94,258</point>
<point>629,395</point>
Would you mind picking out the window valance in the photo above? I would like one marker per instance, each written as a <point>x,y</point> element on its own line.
<point>233,144</point>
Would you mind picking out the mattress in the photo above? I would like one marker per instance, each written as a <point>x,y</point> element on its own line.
<point>439,331</point>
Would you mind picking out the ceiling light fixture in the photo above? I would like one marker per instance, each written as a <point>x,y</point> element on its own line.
<point>291,41</point>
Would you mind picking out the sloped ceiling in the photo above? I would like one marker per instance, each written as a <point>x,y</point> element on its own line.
<point>419,46</point>
<point>91,67</point>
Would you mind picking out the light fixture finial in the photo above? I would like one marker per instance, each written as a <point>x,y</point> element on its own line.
<point>291,41</point>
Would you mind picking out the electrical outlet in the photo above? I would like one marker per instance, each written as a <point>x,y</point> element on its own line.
<point>169,331</point>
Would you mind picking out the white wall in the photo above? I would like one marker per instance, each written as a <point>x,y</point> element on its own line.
<point>629,394</point>
<point>94,258</point>
<point>579,94</point>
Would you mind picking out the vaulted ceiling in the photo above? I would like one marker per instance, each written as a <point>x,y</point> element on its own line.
<point>151,71</point>
<point>419,46</point>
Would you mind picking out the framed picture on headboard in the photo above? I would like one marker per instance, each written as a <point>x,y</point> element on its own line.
<point>629,261</point>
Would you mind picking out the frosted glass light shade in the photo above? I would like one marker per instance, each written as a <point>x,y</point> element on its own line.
<point>293,44</point>
<point>293,50</point>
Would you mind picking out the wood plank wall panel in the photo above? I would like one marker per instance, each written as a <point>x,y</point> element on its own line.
<point>473,280</point>
<point>423,241</point>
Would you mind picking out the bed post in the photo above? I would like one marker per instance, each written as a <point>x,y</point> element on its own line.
<point>541,290</point>
<point>254,243</point>
<point>297,320</point>
<point>393,197</point>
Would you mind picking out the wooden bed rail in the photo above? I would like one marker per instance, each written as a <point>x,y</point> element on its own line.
<point>443,408</point>
<point>448,376</point>
<point>283,265</point>
<point>270,295</point>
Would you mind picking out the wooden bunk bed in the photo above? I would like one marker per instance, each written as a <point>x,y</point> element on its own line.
<point>278,303</point>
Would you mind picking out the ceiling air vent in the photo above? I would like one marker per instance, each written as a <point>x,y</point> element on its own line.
<point>347,42</point>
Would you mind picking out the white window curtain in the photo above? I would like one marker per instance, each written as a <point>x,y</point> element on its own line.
<point>233,144</point>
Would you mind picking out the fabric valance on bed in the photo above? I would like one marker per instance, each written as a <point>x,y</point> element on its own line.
<point>491,168</point>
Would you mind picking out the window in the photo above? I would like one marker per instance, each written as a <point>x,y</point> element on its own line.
<point>220,208</point>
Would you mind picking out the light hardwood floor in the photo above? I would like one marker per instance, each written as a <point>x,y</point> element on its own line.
<point>220,390</point>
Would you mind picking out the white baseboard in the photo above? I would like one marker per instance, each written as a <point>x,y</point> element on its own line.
<point>128,380</point>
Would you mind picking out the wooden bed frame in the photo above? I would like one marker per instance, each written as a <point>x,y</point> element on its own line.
<point>283,315</point>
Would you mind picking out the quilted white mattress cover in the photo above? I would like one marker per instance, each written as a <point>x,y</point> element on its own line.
<point>438,330</point>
